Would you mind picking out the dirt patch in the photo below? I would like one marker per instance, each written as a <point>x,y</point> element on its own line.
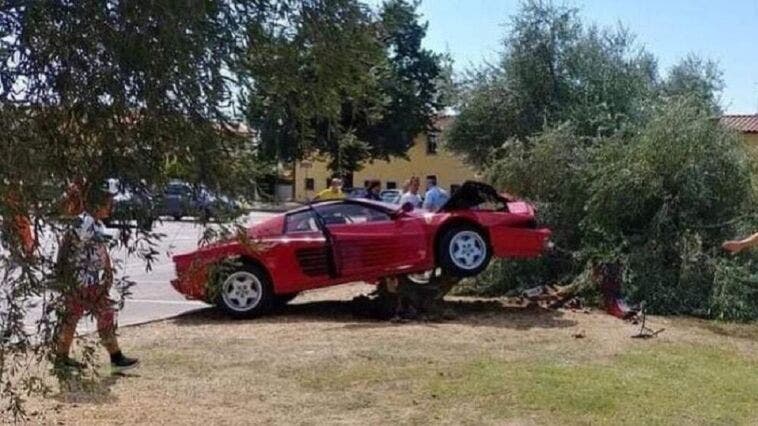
<point>316,362</point>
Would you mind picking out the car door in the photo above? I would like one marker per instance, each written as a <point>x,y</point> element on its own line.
<point>369,242</point>
<point>307,245</point>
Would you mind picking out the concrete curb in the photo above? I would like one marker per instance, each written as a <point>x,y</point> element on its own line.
<point>156,320</point>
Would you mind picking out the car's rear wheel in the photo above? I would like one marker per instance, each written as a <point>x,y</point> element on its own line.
<point>463,251</point>
<point>244,292</point>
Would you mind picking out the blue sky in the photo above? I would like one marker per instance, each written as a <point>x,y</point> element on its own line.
<point>725,31</point>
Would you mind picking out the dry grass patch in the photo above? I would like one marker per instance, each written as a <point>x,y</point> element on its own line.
<point>317,364</point>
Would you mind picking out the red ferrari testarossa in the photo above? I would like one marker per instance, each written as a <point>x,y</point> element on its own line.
<point>335,242</point>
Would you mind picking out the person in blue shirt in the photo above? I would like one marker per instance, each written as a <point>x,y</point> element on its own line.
<point>435,196</point>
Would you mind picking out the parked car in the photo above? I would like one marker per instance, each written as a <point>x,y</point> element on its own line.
<point>132,206</point>
<point>354,193</point>
<point>180,199</point>
<point>391,196</point>
<point>333,242</point>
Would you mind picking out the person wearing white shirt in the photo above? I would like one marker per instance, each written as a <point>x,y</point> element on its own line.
<point>411,195</point>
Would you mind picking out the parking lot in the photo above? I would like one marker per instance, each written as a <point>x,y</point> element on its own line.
<point>152,297</point>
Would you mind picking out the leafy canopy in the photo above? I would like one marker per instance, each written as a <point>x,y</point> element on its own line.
<point>332,77</point>
<point>624,165</point>
<point>95,90</point>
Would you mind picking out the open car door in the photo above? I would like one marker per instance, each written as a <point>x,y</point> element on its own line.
<point>369,241</point>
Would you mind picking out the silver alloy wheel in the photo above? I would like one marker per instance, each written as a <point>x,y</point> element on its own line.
<point>242,291</point>
<point>468,250</point>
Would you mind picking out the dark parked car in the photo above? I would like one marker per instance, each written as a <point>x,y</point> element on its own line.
<point>353,193</point>
<point>131,206</point>
<point>180,199</point>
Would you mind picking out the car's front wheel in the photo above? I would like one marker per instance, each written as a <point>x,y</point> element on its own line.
<point>244,292</point>
<point>463,251</point>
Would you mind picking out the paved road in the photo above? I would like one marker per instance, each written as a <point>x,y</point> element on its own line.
<point>152,297</point>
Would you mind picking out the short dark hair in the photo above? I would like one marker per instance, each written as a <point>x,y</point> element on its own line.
<point>373,183</point>
<point>432,178</point>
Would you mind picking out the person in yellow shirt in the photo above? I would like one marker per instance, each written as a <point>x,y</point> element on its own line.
<point>334,192</point>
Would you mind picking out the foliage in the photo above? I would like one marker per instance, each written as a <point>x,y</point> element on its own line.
<point>696,77</point>
<point>553,70</point>
<point>96,90</point>
<point>328,71</point>
<point>662,201</point>
<point>665,202</point>
<point>623,165</point>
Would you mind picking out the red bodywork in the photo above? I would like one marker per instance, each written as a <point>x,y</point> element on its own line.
<point>392,242</point>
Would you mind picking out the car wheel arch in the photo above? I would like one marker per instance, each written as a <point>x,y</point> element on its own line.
<point>453,223</point>
<point>253,261</point>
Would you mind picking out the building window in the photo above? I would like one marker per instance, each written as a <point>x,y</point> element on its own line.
<point>431,144</point>
<point>310,184</point>
<point>391,185</point>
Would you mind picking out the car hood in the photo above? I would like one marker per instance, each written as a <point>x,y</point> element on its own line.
<point>472,194</point>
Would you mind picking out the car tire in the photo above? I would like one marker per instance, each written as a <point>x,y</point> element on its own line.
<point>244,292</point>
<point>463,251</point>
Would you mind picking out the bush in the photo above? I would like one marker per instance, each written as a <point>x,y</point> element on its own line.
<point>661,198</point>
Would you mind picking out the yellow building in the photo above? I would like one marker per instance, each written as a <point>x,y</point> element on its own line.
<point>427,157</point>
<point>746,124</point>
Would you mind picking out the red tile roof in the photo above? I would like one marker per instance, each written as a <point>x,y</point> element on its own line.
<point>742,123</point>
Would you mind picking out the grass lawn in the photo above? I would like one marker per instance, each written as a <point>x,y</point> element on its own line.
<point>317,364</point>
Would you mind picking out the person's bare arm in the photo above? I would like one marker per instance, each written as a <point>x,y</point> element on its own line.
<point>738,246</point>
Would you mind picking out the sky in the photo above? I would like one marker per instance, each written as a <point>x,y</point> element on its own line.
<point>724,31</point>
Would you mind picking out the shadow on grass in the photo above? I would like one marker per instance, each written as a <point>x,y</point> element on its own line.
<point>355,315</point>
<point>93,390</point>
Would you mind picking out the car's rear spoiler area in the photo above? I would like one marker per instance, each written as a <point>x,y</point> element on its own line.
<point>472,194</point>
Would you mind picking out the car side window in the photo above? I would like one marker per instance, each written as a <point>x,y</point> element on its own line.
<point>348,213</point>
<point>301,222</point>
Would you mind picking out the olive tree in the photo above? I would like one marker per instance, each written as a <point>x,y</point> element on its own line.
<point>91,90</point>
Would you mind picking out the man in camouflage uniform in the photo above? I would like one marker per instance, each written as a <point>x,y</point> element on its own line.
<point>86,276</point>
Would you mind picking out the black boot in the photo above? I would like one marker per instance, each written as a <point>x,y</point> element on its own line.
<point>121,363</point>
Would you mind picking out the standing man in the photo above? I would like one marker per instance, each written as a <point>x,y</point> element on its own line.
<point>735,247</point>
<point>334,192</point>
<point>435,197</point>
<point>373,190</point>
<point>86,276</point>
<point>410,196</point>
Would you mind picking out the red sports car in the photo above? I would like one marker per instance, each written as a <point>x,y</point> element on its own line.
<point>334,242</point>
